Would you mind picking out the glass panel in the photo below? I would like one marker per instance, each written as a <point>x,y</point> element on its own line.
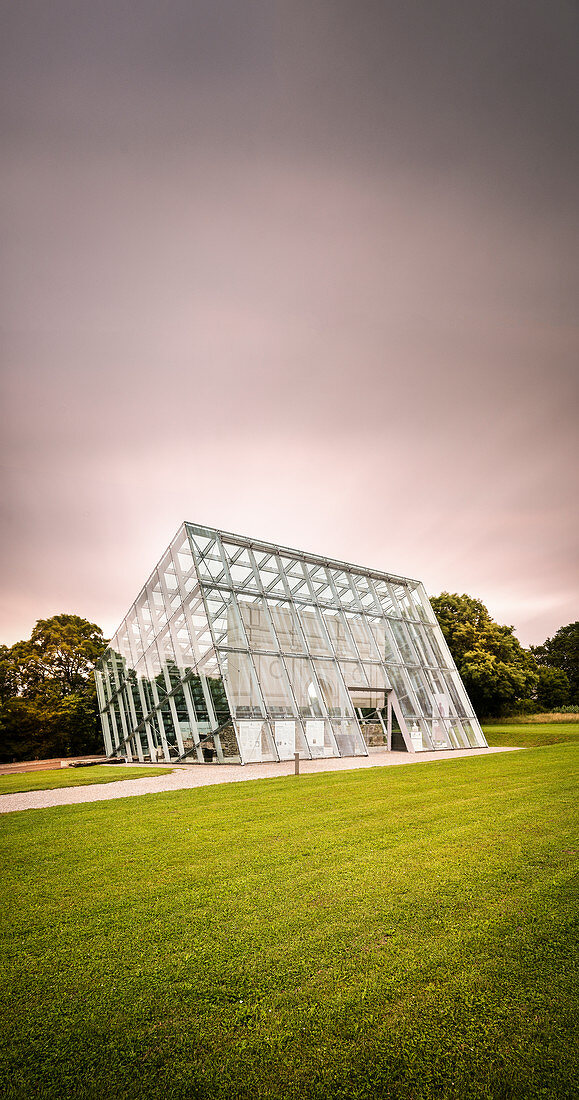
<point>256,622</point>
<point>182,647</point>
<point>134,633</point>
<point>242,576</point>
<point>452,688</point>
<point>219,699</point>
<point>382,634</point>
<point>415,600</point>
<point>366,595</point>
<point>450,733</point>
<point>423,607</point>
<point>354,676</point>
<point>333,691</point>
<point>339,633</point>
<point>420,735</point>
<point>287,628</point>
<point>349,738</point>
<point>457,734</point>
<point>121,642</point>
<point>198,698</point>
<point>417,643</point>
<point>398,593</point>
<point>304,686</point>
<point>164,644</point>
<point>211,568</point>
<point>474,733</point>
<point>200,634</point>
<point>344,589</point>
<point>363,637</point>
<point>441,658</point>
<point>241,683</point>
<point>156,602</point>
<point>439,734</point>
<point>384,594</point>
<point>224,618</point>
<point>405,647</point>
<point>155,675</point>
<point>376,676</point>
<point>319,584</point>
<point>287,739</point>
<point>145,620</point>
<point>183,565</point>
<point>168,575</point>
<point>201,539</point>
<point>420,691</point>
<point>209,665</point>
<point>241,567</point>
<point>292,567</point>
<point>295,576</point>
<point>406,699</point>
<point>313,629</point>
<point>270,576</point>
<point>320,737</point>
<point>406,604</point>
<point>274,685</point>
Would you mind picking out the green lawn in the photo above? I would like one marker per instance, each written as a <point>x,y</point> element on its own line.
<point>400,933</point>
<point>531,734</point>
<point>72,777</point>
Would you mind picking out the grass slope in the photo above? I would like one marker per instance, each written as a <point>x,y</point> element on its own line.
<point>404,933</point>
<point>531,734</point>
<point>50,779</point>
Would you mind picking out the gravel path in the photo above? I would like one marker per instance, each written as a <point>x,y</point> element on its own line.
<point>204,775</point>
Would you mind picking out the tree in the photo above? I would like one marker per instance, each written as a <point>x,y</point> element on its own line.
<point>562,652</point>
<point>553,688</point>
<point>497,672</point>
<point>48,701</point>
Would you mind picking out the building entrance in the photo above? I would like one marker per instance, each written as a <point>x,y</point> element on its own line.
<point>377,717</point>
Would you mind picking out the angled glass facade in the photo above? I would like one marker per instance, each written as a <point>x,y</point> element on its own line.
<point>238,651</point>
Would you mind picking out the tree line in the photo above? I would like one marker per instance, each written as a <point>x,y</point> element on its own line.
<point>501,677</point>
<point>48,703</point>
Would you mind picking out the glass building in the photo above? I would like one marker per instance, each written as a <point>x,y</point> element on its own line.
<point>238,651</point>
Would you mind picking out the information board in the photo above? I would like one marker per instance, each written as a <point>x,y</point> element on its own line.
<point>250,742</point>
<point>315,736</point>
<point>285,739</point>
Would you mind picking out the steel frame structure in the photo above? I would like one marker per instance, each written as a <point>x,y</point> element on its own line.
<point>238,651</point>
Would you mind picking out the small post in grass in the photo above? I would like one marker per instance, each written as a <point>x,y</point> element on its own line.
<point>297,763</point>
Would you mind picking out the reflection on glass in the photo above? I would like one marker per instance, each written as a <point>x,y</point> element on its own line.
<point>313,629</point>
<point>287,627</point>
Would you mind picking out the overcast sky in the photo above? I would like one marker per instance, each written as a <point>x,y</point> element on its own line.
<point>302,270</point>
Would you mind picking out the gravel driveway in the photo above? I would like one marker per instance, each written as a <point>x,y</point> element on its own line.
<point>205,775</point>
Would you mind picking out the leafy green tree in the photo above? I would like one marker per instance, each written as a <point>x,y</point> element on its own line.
<point>553,688</point>
<point>7,675</point>
<point>562,652</point>
<point>498,673</point>
<point>48,703</point>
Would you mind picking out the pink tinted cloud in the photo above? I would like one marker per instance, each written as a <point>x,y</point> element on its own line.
<point>257,293</point>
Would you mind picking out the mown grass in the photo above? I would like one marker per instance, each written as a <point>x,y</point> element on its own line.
<point>52,778</point>
<point>531,734</point>
<point>404,933</point>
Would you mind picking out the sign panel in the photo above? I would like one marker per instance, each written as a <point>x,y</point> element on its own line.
<point>315,736</point>
<point>285,739</point>
<point>250,741</point>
